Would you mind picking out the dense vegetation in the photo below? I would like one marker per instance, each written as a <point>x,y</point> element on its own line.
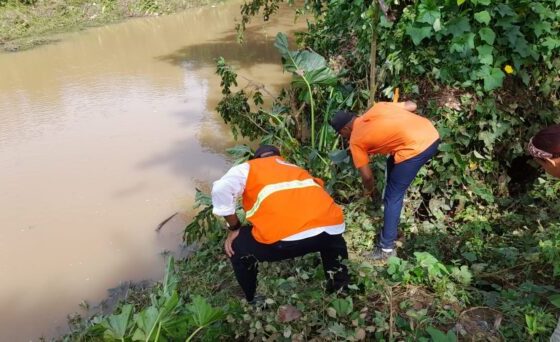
<point>28,23</point>
<point>479,256</point>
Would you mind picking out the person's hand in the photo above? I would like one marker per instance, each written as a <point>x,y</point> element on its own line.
<point>374,196</point>
<point>229,241</point>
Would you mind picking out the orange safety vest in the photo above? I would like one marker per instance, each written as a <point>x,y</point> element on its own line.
<point>282,199</point>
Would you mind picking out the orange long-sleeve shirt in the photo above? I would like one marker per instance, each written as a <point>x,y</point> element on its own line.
<point>387,128</point>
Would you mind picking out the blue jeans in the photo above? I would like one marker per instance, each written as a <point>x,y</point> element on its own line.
<point>399,178</point>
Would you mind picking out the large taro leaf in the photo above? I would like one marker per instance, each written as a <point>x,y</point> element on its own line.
<point>146,321</point>
<point>203,313</point>
<point>117,325</point>
<point>307,67</point>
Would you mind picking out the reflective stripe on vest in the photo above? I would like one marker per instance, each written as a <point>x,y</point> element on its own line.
<point>272,188</point>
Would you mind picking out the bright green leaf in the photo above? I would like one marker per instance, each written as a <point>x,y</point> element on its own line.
<point>484,2</point>
<point>439,336</point>
<point>428,15</point>
<point>487,35</point>
<point>494,79</point>
<point>117,325</point>
<point>437,25</point>
<point>485,54</point>
<point>343,307</point>
<point>307,67</point>
<point>551,43</point>
<point>460,2</point>
<point>203,313</point>
<point>482,17</point>
<point>145,321</point>
<point>555,300</point>
<point>462,274</point>
<point>538,8</point>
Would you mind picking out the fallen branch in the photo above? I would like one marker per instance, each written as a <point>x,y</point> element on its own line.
<point>165,221</point>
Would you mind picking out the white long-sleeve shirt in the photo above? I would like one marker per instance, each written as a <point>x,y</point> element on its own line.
<point>230,187</point>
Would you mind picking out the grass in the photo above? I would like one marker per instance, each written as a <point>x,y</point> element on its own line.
<point>26,25</point>
<point>439,289</point>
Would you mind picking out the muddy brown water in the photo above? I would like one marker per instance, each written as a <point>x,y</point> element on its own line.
<point>102,136</point>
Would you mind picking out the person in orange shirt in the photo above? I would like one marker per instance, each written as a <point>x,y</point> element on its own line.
<point>291,215</point>
<point>410,141</point>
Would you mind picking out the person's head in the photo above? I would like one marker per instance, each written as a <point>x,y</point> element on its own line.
<point>342,122</point>
<point>545,148</point>
<point>266,151</point>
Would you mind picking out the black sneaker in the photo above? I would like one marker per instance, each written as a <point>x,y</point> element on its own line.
<point>378,255</point>
<point>258,301</point>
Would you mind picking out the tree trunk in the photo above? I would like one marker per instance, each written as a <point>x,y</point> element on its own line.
<point>373,58</point>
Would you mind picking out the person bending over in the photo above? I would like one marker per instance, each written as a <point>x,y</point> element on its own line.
<point>410,141</point>
<point>291,215</point>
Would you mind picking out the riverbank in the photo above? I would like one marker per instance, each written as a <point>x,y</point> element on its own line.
<point>27,24</point>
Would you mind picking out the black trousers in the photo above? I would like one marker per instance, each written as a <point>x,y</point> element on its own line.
<point>248,252</point>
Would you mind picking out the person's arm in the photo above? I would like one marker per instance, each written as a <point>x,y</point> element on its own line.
<point>361,162</point>
<point>233,221</point>
<point>367,180</point>
<point>225,192</point>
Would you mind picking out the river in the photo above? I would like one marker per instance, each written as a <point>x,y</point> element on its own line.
<point>102,136</point>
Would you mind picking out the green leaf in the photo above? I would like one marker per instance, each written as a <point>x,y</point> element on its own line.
<point>487,35</point>
<point>541,27</point>
<point>202,199</point>
<point>542,11</point>
<point>203,313</point>
<point>439,336</point>
<point>168,306</point>
<point>485,54</point>
<point>551,43</point>
<point>428,15</point>
<point>478,155</point>
<point>170,279</point>
<point>462,274</point>
<point>505,10</point>
<point>117,325</point>
<point>458,26</point>
<point>483,192</point>
<point>343,307</point>
<point>494,79</point>
<point>339,156</point>
<point>145,321</point>
<point>555,300</point>
<point>460,2</point>
<point>437,25</point>
<point>338,329</point>
<point>484,2</point>
<point>305,66</point>
<point>419,33</point>
<point>482,17</point>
